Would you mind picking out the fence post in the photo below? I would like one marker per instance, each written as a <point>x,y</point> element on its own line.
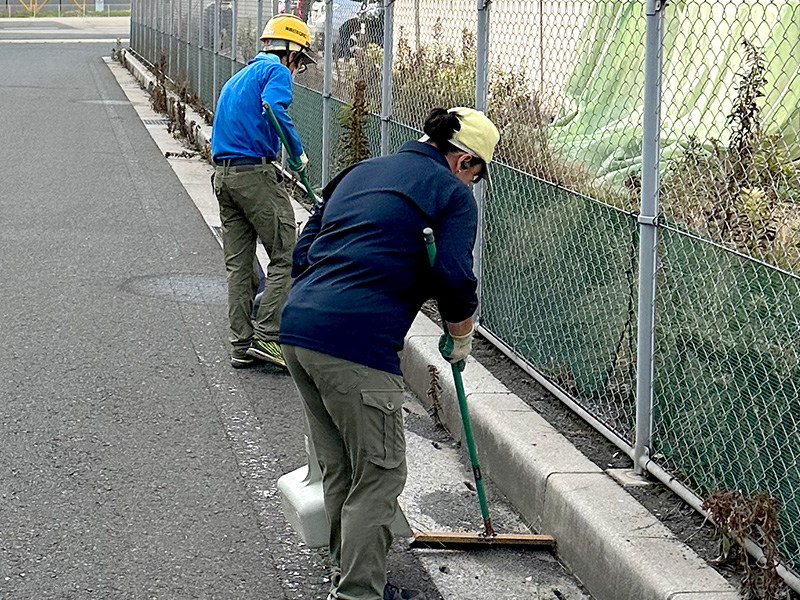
<point>154,42</point>
<point>170,65</point>
<point>259,19</point>
<point>482,104</point>
<point>386,92</point>
<point>326,93</point>
<point>200,45</point>
<point>541,49</point>
<point>162,27</point>
<point>156,39</point>
<point>234,34</point>
<point>189,78</point>
<point>144,33</point>
<point>648,232</point>
<point>215,56</point>
<point>178,75</point>
<point>417,27</point>
<point>154,22</point>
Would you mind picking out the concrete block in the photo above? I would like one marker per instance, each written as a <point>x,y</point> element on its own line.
<point>616,547</point>
<point>424,326</point>
<point>420,352</point>
<point>304,507</point>
<point>519,450</point>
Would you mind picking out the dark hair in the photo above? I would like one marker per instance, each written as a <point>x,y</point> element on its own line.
<point>440,127</point>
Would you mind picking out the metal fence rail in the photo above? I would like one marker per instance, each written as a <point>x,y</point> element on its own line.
<point>640,246</point>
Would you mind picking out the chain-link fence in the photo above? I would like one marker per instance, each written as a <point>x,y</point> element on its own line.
<point>728,338</point>
<point>640,246</point>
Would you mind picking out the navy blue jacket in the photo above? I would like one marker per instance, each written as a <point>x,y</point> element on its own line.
<point>361,267</point>
<point>240,125</point>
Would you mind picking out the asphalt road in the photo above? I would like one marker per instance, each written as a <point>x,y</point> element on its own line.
<point>133,462</point>
<point>63,30</point>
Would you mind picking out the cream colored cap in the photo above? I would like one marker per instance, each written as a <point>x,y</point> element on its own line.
<point>477,135</point>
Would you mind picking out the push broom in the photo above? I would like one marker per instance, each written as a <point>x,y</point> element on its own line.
<point>292,158</point>
<point>489,537</point>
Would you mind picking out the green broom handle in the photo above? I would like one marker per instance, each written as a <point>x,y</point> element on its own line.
<point>430,245</point>
<point>282,135</point>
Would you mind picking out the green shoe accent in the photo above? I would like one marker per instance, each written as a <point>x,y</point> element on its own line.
<point>269,351</point>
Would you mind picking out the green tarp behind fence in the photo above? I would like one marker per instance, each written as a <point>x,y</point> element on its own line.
<point>600,121</point>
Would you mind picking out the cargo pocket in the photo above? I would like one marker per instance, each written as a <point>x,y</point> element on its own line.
<point>338,378</point>
<point>286,237</point>
<point>384,438</point>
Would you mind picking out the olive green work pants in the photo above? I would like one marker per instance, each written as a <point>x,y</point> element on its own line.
<point>254,204</point>
<point>355,419</point>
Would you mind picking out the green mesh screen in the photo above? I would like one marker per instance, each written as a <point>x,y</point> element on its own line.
<point>727,410</point>
<point>560,285</point>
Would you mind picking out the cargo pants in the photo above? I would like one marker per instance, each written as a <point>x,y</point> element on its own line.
<point>355,419</point>
<point>253,204</point>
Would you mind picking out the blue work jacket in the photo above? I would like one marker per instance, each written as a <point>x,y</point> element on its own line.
<point>240,125</point>
<point>361,265</point>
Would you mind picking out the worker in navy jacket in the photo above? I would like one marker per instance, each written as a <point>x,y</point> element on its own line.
<point>252,202</point>
<point>362,274</point>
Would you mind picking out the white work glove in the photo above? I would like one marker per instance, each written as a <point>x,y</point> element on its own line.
<point>456,348</point>
<point>300,164</point>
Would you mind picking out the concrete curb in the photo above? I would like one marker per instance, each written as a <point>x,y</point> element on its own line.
<point>148,81</point>
<point>609,541</point>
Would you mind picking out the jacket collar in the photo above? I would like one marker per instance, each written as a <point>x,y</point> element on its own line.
<point>264,56</point>
<point>427,150</point>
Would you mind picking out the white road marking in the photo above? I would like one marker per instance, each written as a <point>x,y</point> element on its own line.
<point>34,30</point>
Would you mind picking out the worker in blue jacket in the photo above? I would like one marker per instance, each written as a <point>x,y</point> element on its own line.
<point>252,202</point>
<point>362,274</point>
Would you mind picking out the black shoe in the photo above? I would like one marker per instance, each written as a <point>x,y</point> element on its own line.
<point>391,592</point>
<point>244,362</point>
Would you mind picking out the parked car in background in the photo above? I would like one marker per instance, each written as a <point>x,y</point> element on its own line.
<point>356,23</point>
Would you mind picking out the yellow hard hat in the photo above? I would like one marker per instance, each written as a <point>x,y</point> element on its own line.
<point>288,28</point>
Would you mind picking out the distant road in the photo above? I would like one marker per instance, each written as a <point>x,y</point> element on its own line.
<point>65,30</point>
